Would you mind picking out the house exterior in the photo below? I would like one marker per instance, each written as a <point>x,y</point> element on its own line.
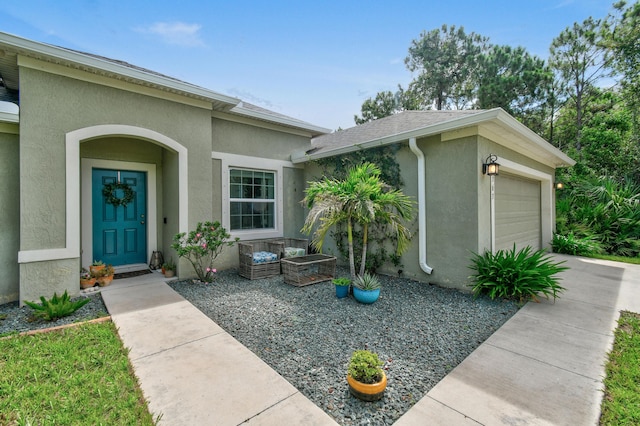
<point>85,122</point>
<point>73,124</point>
<point>461,210</point>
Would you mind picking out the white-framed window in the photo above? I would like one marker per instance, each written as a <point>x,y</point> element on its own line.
<point>252,199</point>
<point>253,205</point>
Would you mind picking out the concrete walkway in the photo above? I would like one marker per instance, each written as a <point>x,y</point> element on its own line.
<point>546,364</point>
<point>543,367</point>
<point>191,371</point>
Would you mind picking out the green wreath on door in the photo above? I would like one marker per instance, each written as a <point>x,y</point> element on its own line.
<point>109,192</point>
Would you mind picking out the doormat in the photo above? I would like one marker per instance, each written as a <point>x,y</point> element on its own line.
<point>131,274</point>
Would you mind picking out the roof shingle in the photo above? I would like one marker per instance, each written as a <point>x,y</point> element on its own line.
<point>402,122</point>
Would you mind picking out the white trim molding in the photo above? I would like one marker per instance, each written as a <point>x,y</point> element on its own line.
<point>229,161</point>
<point>73,140</point>
<point>87,166</point>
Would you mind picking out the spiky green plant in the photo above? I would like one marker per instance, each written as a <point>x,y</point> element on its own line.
<point>518,275</point>
<point>57,306</point>
<point>367,281</point>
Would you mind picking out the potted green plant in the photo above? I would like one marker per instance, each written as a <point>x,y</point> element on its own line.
<point>169,269</point>
<point>365,376</point>
<point>105,276</point>
<point>86,280</point>
<point>96,266</point>
<point>366,288</point>
<point>342,286</point>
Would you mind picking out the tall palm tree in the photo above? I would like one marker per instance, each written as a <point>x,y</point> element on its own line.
<point>363,198</point>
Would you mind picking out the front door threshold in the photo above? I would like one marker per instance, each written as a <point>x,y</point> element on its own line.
<point>130,268</point>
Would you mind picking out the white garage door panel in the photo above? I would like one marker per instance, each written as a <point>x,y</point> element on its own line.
<point>517,212</point>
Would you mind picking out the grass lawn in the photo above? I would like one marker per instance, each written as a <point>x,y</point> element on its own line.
<point>633,260</point>
<point>75,376</point>
<point>621,404</point>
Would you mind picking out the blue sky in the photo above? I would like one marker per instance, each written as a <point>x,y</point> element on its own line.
<point>315,61</point>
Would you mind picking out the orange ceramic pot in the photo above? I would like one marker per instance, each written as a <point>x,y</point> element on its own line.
<point>105,281</point>
<point>365,391</point>
<point>87,283</point>
<point>95,269</point>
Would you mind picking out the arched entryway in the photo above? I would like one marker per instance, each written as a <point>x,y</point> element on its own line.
<point>81,194</point>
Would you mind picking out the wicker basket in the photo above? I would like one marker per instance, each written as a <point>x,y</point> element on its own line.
<point>249,269</point>
<point>311,269</point>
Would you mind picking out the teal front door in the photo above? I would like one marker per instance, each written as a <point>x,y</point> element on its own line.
<point>119,231</point>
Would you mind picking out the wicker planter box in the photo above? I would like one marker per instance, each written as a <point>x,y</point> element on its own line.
<point>253,270</point>
<point>311,269</point>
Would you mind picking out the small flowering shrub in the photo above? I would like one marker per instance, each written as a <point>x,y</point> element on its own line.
<point>201,247</point>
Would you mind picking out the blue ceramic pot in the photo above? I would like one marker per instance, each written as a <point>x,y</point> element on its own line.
<point>366,296</point>
<point>342,291</point>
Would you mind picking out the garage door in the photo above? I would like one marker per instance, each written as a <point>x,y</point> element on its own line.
<point>517,212</point>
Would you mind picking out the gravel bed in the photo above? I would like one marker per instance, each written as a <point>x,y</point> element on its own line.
<point>307,335</point>
<point>16,319</point>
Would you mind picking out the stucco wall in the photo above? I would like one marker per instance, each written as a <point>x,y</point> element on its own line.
<point>294,213</point>
<point>10,213</point>
<point>253,141</point>
<point>451,206</point>
<point>53,105</point>
<point>259,142</point>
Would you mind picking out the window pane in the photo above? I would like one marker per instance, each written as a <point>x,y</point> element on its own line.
<point>246,208</point>
<point>249,185</point>
<point>235,191</point>
<point>235,176</point>
<point>235,222</point>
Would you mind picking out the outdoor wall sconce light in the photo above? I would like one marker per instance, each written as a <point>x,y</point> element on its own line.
<point>490,167</point>
<point>559,185</point>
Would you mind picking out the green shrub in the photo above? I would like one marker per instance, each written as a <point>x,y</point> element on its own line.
<point>520,275</point>
<point>570,244</point>
<point>201,247</point>
<point>365,367</point>
<point>605,210</point>
<point>56,307</point>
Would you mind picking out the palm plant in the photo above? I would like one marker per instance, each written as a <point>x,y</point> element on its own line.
<point>362,198</point>
<point>605,210</point>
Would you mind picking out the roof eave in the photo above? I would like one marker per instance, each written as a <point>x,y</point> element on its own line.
<point>556,157</point>
<point>559,158</point>
<point>432,129</point>
<point>290,122</point>
<point>78,58</point>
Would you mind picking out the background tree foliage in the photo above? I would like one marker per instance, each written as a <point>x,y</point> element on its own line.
<point>577,55</point>
<point>447,61</point>
<point>622,39</point>
<point>585,100</point>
